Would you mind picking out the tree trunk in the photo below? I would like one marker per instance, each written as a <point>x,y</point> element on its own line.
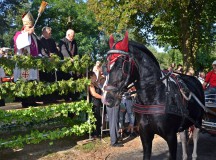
<point>185,39</point>
<point>190,33</point>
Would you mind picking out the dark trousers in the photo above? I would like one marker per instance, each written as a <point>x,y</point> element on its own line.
<point>97,115</point>
<point>113,117</point>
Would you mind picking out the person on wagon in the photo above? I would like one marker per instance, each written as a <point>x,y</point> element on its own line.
<point>179,68</point>
<point>209,84</point>
<point>201,77</point>
<point>27,43</point>
<point>50,48</point>
<point>48,42</point>
<point>68,46</point>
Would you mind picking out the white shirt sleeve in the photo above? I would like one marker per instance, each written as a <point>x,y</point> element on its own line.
<point>23,40</point>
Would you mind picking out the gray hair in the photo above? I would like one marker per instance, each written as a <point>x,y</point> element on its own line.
<point>46,28</point>
<point>69,31</point>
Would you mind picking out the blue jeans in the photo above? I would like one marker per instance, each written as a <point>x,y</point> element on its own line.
<point>129,110</point>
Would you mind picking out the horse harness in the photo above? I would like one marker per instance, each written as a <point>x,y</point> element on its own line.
<point>174,103</point>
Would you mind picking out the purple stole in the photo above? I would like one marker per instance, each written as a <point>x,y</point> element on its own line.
<point>33,46</point>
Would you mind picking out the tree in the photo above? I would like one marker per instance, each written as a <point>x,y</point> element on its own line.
<point>187,25</point>
<point>9,12</point>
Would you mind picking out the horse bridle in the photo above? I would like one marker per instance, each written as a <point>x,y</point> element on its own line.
<point>132,62</point>
<point>110,88</point>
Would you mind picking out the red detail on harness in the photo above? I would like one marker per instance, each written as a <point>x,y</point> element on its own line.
<point>149,109</point>
<point>113,57</point>
<point>173,76</point>
<point>122,45</point>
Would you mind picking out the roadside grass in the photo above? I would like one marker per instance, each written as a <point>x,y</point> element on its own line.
<point>94,145</point>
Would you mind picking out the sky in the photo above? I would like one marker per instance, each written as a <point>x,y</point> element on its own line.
<point>159,49</point>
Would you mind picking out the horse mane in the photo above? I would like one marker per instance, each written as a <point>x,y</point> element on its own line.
<point>145,50</point>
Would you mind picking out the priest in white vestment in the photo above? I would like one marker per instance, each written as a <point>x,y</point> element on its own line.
<point>25,43</point>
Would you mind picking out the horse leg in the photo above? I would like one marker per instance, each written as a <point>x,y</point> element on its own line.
<point>146,139</point>
<point>172,144</point>
<point>195,139</point>
<point>184,145</point>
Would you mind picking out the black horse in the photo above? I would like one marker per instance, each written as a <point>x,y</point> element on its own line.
<point>163,103</point>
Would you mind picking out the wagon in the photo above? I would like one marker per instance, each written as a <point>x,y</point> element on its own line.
<point>209,120</point>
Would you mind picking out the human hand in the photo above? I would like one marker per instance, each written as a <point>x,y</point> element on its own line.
<point>51,54</point>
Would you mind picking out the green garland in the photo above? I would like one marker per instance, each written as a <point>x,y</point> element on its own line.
<point>34,88</point>
<point>60,121</point>
<point>45,113</point>
<point>46,64</point>
<point>35,136</point>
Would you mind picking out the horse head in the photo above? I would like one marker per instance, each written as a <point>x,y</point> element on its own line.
<point>128,62</point>
<point>119,68</point>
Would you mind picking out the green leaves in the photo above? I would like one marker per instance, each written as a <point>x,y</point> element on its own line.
<point>34,88</point>
<point>188,26</point>
<point>47,64</point>
<point>36,115</point>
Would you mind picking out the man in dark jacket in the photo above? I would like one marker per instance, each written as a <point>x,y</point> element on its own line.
<point>68,49</point>
<point>68,45</point>
<point>48,42</point>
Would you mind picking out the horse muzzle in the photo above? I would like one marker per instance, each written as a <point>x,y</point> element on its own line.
<point>109,88</point>
<point>110,99</point>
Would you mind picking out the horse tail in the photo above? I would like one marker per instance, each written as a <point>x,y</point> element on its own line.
<point>195,110</point>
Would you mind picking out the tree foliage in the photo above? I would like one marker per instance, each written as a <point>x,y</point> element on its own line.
<point>186,25</point>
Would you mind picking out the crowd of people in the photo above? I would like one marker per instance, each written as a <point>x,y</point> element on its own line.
<point>26,42</point>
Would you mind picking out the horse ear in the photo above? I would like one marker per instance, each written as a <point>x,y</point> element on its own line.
<point>111,41</point>
<point>124,43</point>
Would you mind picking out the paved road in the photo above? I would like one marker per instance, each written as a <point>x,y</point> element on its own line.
<point>206,150</point>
